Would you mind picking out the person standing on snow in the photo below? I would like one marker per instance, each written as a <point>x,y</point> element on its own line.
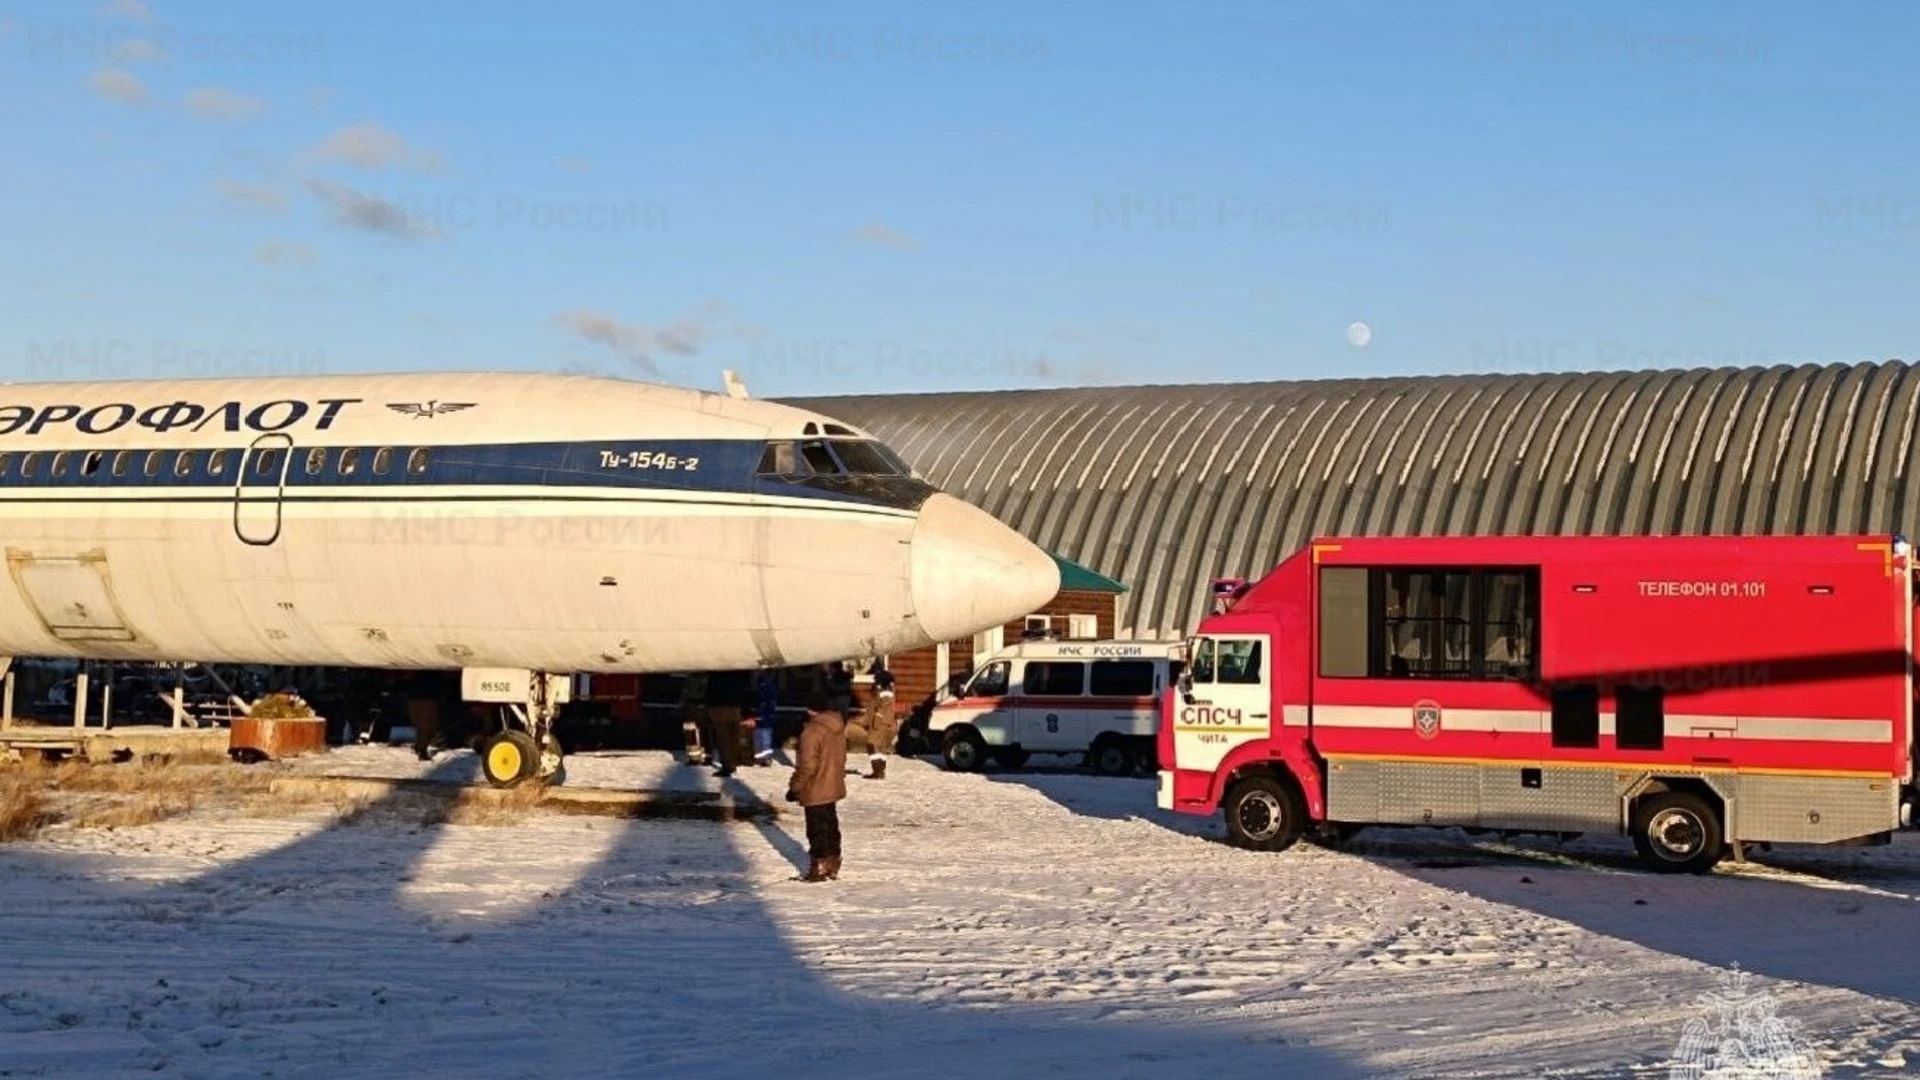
<point>819,783</point>
<point>882,728</point>
<point>768,686</point>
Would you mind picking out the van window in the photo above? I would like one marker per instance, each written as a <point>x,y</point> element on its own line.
<point>989,681</point>
<point>1054,678</point>
<point>1122,678</point>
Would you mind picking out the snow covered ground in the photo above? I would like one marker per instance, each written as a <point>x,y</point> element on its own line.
<point>998,925</point>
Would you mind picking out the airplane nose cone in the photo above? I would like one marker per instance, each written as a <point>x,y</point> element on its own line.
<point>970,572</point>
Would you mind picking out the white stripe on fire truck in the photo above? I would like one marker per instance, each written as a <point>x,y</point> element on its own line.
<point>1803,729</point>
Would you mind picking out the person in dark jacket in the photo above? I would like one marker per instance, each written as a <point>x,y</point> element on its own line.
<point>767,687</point>
<point>729,695</point>
<point>819,783</point>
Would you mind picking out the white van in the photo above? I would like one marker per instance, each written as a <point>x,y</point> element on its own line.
<point>1099,700</point>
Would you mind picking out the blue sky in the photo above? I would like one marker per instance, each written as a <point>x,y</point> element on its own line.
<point>862,197</point>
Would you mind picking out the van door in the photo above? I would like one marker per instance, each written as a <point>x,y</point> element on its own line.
<point>258,489</point>
<point>1230,701</point>
<point>984,704</point>
<point>1052,707</point>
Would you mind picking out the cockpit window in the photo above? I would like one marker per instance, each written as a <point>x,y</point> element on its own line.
<point>864,458</point>
<point>831,457</point>
<point>778,459</point>
<point>814,452</point>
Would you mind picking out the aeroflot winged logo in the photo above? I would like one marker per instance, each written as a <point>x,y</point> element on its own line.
<point>424,410</point>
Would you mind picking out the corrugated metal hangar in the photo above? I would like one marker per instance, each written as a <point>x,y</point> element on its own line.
<point>1166,487</point>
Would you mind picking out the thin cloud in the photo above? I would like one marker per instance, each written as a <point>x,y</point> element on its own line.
<point>684,336</point>
<point>575,165</point>
<point>136,51</point>
<point>213,103</point>
<point>374,148</point>
<point>137,10</point>
<point>116,85</point>
<point>370,213</point>
<point>275,253</point>
<point>884,236</point>
<point>252,196</point>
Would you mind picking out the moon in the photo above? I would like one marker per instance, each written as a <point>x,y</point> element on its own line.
<point>1359,334</point>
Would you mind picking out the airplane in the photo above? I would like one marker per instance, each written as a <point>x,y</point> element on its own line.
<point>520,527</point>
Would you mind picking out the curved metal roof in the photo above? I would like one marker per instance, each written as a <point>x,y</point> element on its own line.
<point>1165,487</point>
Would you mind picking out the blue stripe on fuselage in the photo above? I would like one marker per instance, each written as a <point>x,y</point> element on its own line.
<point>718,466</point>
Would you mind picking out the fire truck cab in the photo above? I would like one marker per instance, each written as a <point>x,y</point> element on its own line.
<point>1094,699</point>
<point>1694,693</point>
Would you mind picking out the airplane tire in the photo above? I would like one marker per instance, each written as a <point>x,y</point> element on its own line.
<point>508,758</point>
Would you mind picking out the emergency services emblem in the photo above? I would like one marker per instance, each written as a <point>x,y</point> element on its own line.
<point>1426,718</point>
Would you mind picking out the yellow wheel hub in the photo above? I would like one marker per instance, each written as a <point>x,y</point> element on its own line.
<point>504,759</point>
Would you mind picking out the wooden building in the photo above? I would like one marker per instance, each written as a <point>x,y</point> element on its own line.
<point>1085,608</point>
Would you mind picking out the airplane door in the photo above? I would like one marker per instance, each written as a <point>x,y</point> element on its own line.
<point>258,490</point>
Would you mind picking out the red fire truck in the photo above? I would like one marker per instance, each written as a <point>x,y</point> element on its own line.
<point>1695,693</point>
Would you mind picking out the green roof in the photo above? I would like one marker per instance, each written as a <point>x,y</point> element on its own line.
<point>1080,579</point>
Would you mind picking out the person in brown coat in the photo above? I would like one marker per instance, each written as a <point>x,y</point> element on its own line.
<point>820,782</point>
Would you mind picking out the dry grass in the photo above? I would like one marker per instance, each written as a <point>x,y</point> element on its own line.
<point>23,806</point>
<point>87,795</point>
<point>492,809</point>
<point>83,795</point>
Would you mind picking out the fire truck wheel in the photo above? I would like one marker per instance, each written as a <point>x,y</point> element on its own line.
<point>963,750</point>
<point>1264,814</point>
<point>1677,833</point>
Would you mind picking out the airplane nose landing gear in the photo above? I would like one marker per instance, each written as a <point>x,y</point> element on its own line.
<point>517,754</point>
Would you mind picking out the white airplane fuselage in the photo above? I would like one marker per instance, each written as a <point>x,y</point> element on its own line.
<point>552,523</point>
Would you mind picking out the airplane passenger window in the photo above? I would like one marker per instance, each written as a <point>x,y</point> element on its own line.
<point>6,459</point>
<point>349,461</point>
<point>382,460</point>
<point>217,463</point>
<point>183,464</point>
<point>91,464</point>
<point>316,460</point>
<point>60,464</point>
<point>862,459</point>
<point>818,458</point>
<point>27,462</point>
<point>417,461</point>
<point>265,462</point>
<point>152,467</point>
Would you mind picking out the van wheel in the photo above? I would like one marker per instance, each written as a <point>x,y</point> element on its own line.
<point>1677,833</point>
<point>1111,757</point>
<point>1264,814</point>
<point>963,750</point>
